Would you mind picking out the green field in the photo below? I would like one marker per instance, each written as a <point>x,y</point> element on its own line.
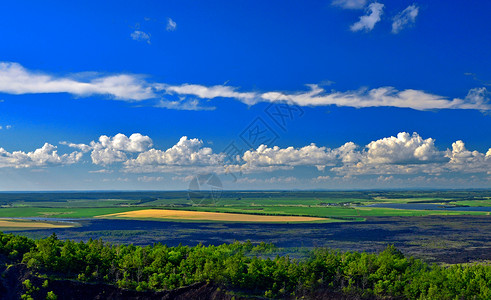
<point>345,206</point>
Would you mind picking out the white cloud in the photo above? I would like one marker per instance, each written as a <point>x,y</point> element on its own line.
<point>287,158</point>
<point>187,153</point>
<point>15,79</point>
<point>82,147</point>
<point>135,143</point>
<point>367,22</point>
<point>140,36</point>
<point>211,92</point>
<point>463,160</point>
<point>44,156</point>
<point>183,104</point>
<point>401,154</point>
<point>404,148</point>
<point>108,150</point>
<point>405,18</point>
<point>384,96</point>
<point>404,154</point>
<point>350,4</point>
<point>171,25</point>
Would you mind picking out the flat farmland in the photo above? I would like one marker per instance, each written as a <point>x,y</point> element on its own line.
<point>167,214</point>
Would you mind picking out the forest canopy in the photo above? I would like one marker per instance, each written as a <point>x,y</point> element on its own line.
<point>249,268</point>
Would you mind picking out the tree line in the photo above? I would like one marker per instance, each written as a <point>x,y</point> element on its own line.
<point>250,268</point>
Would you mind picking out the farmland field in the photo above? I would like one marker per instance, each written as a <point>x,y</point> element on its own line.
<point>208,216</point>
<point>446,230</point>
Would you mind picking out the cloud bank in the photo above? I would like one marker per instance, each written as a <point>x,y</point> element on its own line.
<point>403,154</point>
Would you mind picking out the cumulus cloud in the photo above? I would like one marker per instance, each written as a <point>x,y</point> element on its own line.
<point>405,18</point>
<point>350,4</point>
<point>401,154</point>
<point>186,153</point>
<point>140,36</point>
<point>367,22</point>
<point>277,158</point>
<point>136,154</point>
<point>463,160</point>
<point>135,143</point>
<point>44,156</point>
<point>108,150</point>
<point>404,148</point>
<point>15,79</point>
<point>171,25</point>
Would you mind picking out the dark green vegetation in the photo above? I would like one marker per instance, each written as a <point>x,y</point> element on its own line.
<point>343,205</point>
<point>245,268</point>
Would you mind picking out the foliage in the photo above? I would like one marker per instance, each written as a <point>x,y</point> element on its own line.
<point>248,267</point>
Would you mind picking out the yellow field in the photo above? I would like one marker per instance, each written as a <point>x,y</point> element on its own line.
<point>10,223</point>
<point>208,216</point>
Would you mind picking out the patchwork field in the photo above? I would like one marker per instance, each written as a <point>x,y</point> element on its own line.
<point>209,216</point>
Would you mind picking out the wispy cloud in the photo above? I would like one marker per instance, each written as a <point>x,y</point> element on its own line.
<point>183,104</point>
<point>141,36</point>
<point>367,22</point>
<point>384,96</point>
<point>405,18</point>
<point>350,4</point>
<point>171,25</point>
<point>15,79</point>
<point>210,92</point>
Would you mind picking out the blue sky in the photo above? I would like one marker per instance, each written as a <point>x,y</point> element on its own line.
<point>146,95</point>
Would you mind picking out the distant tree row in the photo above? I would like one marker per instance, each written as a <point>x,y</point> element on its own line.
<point>246,267</point>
